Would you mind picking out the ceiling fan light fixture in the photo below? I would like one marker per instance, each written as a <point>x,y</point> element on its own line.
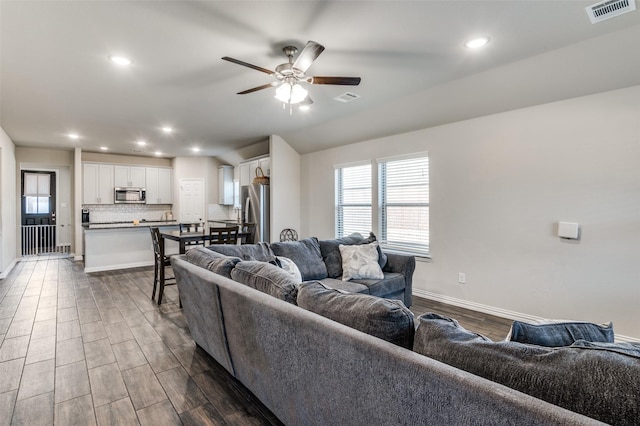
<point>290,93</point>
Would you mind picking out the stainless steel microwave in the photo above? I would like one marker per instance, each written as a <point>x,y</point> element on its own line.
<point>130,196</point>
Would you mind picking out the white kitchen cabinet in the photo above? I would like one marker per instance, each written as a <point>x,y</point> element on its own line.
<point>97,183</point>
<point>129,176</point>
<point>265,165</point>
<point>248,169</point>
<point>159,184</point>
<point>225,185</point>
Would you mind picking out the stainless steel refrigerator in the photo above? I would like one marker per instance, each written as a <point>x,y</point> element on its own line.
<point>255,206</point>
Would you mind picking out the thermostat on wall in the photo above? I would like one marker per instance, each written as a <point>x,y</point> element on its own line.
<point>568,230</point>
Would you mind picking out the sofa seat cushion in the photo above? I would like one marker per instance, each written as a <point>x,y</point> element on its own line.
<point>267,278</point>
<point>259,251</point>
<point>392,282</point>
<point>306,255</point>
<point>215,262</point>
<point>590,378</point>
<point>348,286</point>
<point>386,319</point>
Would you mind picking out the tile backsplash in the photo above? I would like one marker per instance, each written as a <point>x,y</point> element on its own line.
<point>126,212</point>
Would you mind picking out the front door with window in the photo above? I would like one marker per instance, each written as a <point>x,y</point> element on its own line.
<point>38,210</point>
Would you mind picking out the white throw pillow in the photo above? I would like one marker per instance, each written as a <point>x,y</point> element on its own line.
<point>289,266</point>
<point>360,262</point>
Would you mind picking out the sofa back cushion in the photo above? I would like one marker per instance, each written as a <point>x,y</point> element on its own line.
<point>215,262</point>
<point>260,251</point>
<point>306,255</point>
<point>332,258</point>
<point>383,318</point>
<point>267,278</point>
<point>560,333</point>
<point>331,253</point>
<point>589,378</point>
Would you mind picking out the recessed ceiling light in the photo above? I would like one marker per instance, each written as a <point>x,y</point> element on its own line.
<point>304,107</point>
<point>73,136</point>
<point>158,153</point>
<point>103,148</point>
<point>476,42</point>
<point>120,60</point>
<point>141,143</point>
<point>167,129</point>
<point>195,149</point>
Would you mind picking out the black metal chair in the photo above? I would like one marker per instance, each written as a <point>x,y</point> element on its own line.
<point>161,261</point>
<point>224,235</point>
<point>249,228</point>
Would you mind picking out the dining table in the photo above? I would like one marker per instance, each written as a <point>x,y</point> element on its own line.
<point>184,237</point>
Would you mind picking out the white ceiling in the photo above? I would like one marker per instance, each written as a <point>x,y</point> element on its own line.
<point>56,78</point>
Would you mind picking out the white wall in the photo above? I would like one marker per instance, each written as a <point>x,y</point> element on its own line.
<point>499,185</point>
<point>285,187</point>
<point>7,203</point>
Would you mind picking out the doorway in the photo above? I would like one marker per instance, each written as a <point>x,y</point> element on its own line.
<point>191,200</point>
<point>38,207</point>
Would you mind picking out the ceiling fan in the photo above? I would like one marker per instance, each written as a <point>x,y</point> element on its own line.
<point>290,74</point>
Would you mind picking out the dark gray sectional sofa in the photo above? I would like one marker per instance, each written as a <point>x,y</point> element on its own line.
<point>312,370</point>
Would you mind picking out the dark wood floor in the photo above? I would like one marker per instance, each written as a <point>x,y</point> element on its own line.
<point>90,349</point>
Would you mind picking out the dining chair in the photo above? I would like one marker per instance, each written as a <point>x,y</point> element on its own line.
<point>250,229</point>
<point>161,261</point>
<point>224,235</point>
<point>191,227</point>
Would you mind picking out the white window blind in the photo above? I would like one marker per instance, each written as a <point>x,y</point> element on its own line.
<point>353,200</point>
<point>404,205</point>
<point>37,193</point>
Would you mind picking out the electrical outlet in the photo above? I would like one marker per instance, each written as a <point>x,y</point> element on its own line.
<point>462,278</point>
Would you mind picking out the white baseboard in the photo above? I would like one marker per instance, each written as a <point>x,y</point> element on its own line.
<point>498,312</point>
<point>4,274</point>
<point>114,267</point>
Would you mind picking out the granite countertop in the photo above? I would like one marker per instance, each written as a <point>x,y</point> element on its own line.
<point>128,224</point>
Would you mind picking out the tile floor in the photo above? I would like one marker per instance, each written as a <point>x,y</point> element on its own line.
<point>87,349</point>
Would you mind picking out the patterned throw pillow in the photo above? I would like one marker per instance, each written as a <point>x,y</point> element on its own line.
<point>360,262</point>
<point>290,266</point>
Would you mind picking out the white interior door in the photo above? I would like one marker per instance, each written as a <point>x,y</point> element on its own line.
<point>191,200</point>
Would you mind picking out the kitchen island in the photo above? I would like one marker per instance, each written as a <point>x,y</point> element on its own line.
<point>122,245</point>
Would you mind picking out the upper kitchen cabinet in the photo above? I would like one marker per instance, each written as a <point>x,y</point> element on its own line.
<point>97,183</point>
<point>225,185</point>
<point>129,176</point>
<point>159,184</point>
<point>248,169</point>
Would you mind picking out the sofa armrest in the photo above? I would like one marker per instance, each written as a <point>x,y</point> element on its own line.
<point>404,265</point>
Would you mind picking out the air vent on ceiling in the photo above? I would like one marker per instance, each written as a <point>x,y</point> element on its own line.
<point>609,9</point>
<point>347,97</point>
<point>137,151</point>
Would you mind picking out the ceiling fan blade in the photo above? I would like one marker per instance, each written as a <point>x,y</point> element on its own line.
<point>255,89</point>
<point>309,54</point>
<point>246,64</point>
<point>341,81</point>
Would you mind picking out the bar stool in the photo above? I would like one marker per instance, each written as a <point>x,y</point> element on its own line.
<point>160,263</point>
<point>250,229</point>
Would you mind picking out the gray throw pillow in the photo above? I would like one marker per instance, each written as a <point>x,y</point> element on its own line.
<point>267,278</point>
<point>331,253</point>
<point>386,319</point>
<point>215,262</point>
<point>306,255</point>
<point>260,251</point>
<point>560,333</point>
<point>598,383</point>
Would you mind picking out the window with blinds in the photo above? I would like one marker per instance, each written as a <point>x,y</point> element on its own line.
<point>353,200</point>
<point>403,187</point>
